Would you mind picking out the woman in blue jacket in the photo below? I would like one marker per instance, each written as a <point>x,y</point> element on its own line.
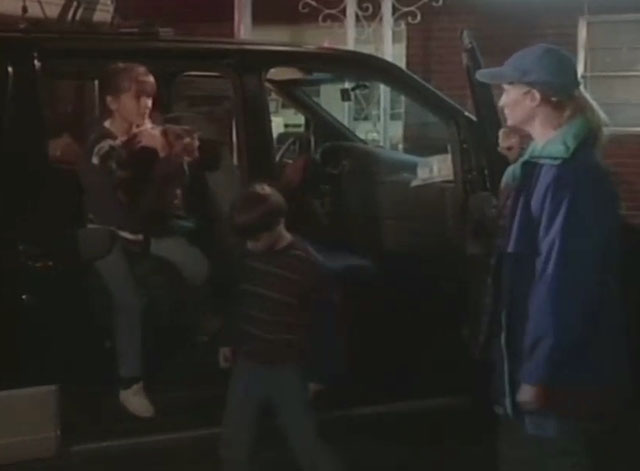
<point>562,350</point>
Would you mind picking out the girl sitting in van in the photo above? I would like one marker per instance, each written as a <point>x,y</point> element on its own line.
<point>110,180</point>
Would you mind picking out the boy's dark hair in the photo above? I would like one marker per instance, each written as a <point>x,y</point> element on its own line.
<point>257,210</point>
<point>121,77</point>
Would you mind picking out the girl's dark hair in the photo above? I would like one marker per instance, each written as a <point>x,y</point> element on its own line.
<point>121,77</point>
<point>259,209</point>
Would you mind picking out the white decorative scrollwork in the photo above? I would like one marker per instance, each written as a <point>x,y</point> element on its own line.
<point>327,15</point>
<point>367,21</point>
<point>412,13</point>
<point>368,13</point>
<point>364,9</point>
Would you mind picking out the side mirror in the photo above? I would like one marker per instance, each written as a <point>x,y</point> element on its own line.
<point>346,93</point>
<point>95,243</point>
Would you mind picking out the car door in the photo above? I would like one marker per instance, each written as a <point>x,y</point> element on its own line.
<point>488,118</point>
<point>395,204</point>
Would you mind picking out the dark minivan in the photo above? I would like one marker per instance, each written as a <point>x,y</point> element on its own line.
<point>385,169</point>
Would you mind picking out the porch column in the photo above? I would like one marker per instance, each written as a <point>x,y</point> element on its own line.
<point>387,27</point>
<point>243,19</point>
<point>350,23</point>
<point>350,29</point>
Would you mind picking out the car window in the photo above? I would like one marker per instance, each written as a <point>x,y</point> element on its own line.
<point>289,127</point>
<point>375,112</point>
<point>371,111</point>
<point>205,101</point>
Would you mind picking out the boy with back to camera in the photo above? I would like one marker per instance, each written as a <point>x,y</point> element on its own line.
<point>279,283</point>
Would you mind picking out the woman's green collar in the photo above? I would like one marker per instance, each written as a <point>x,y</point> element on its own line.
<point>562,143</point>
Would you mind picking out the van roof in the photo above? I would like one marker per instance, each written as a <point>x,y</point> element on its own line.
<point>159,35</point>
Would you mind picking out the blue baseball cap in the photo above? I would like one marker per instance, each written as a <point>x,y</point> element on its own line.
<point>547,68</point>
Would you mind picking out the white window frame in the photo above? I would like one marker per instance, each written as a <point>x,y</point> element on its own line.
<point>582,59</point>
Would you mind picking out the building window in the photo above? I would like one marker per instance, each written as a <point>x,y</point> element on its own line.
<point>609,64</point>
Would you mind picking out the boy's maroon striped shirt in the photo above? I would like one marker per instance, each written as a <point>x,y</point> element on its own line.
<point>275,296</point>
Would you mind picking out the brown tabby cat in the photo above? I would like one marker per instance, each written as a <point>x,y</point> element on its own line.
<point>152,179</point>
